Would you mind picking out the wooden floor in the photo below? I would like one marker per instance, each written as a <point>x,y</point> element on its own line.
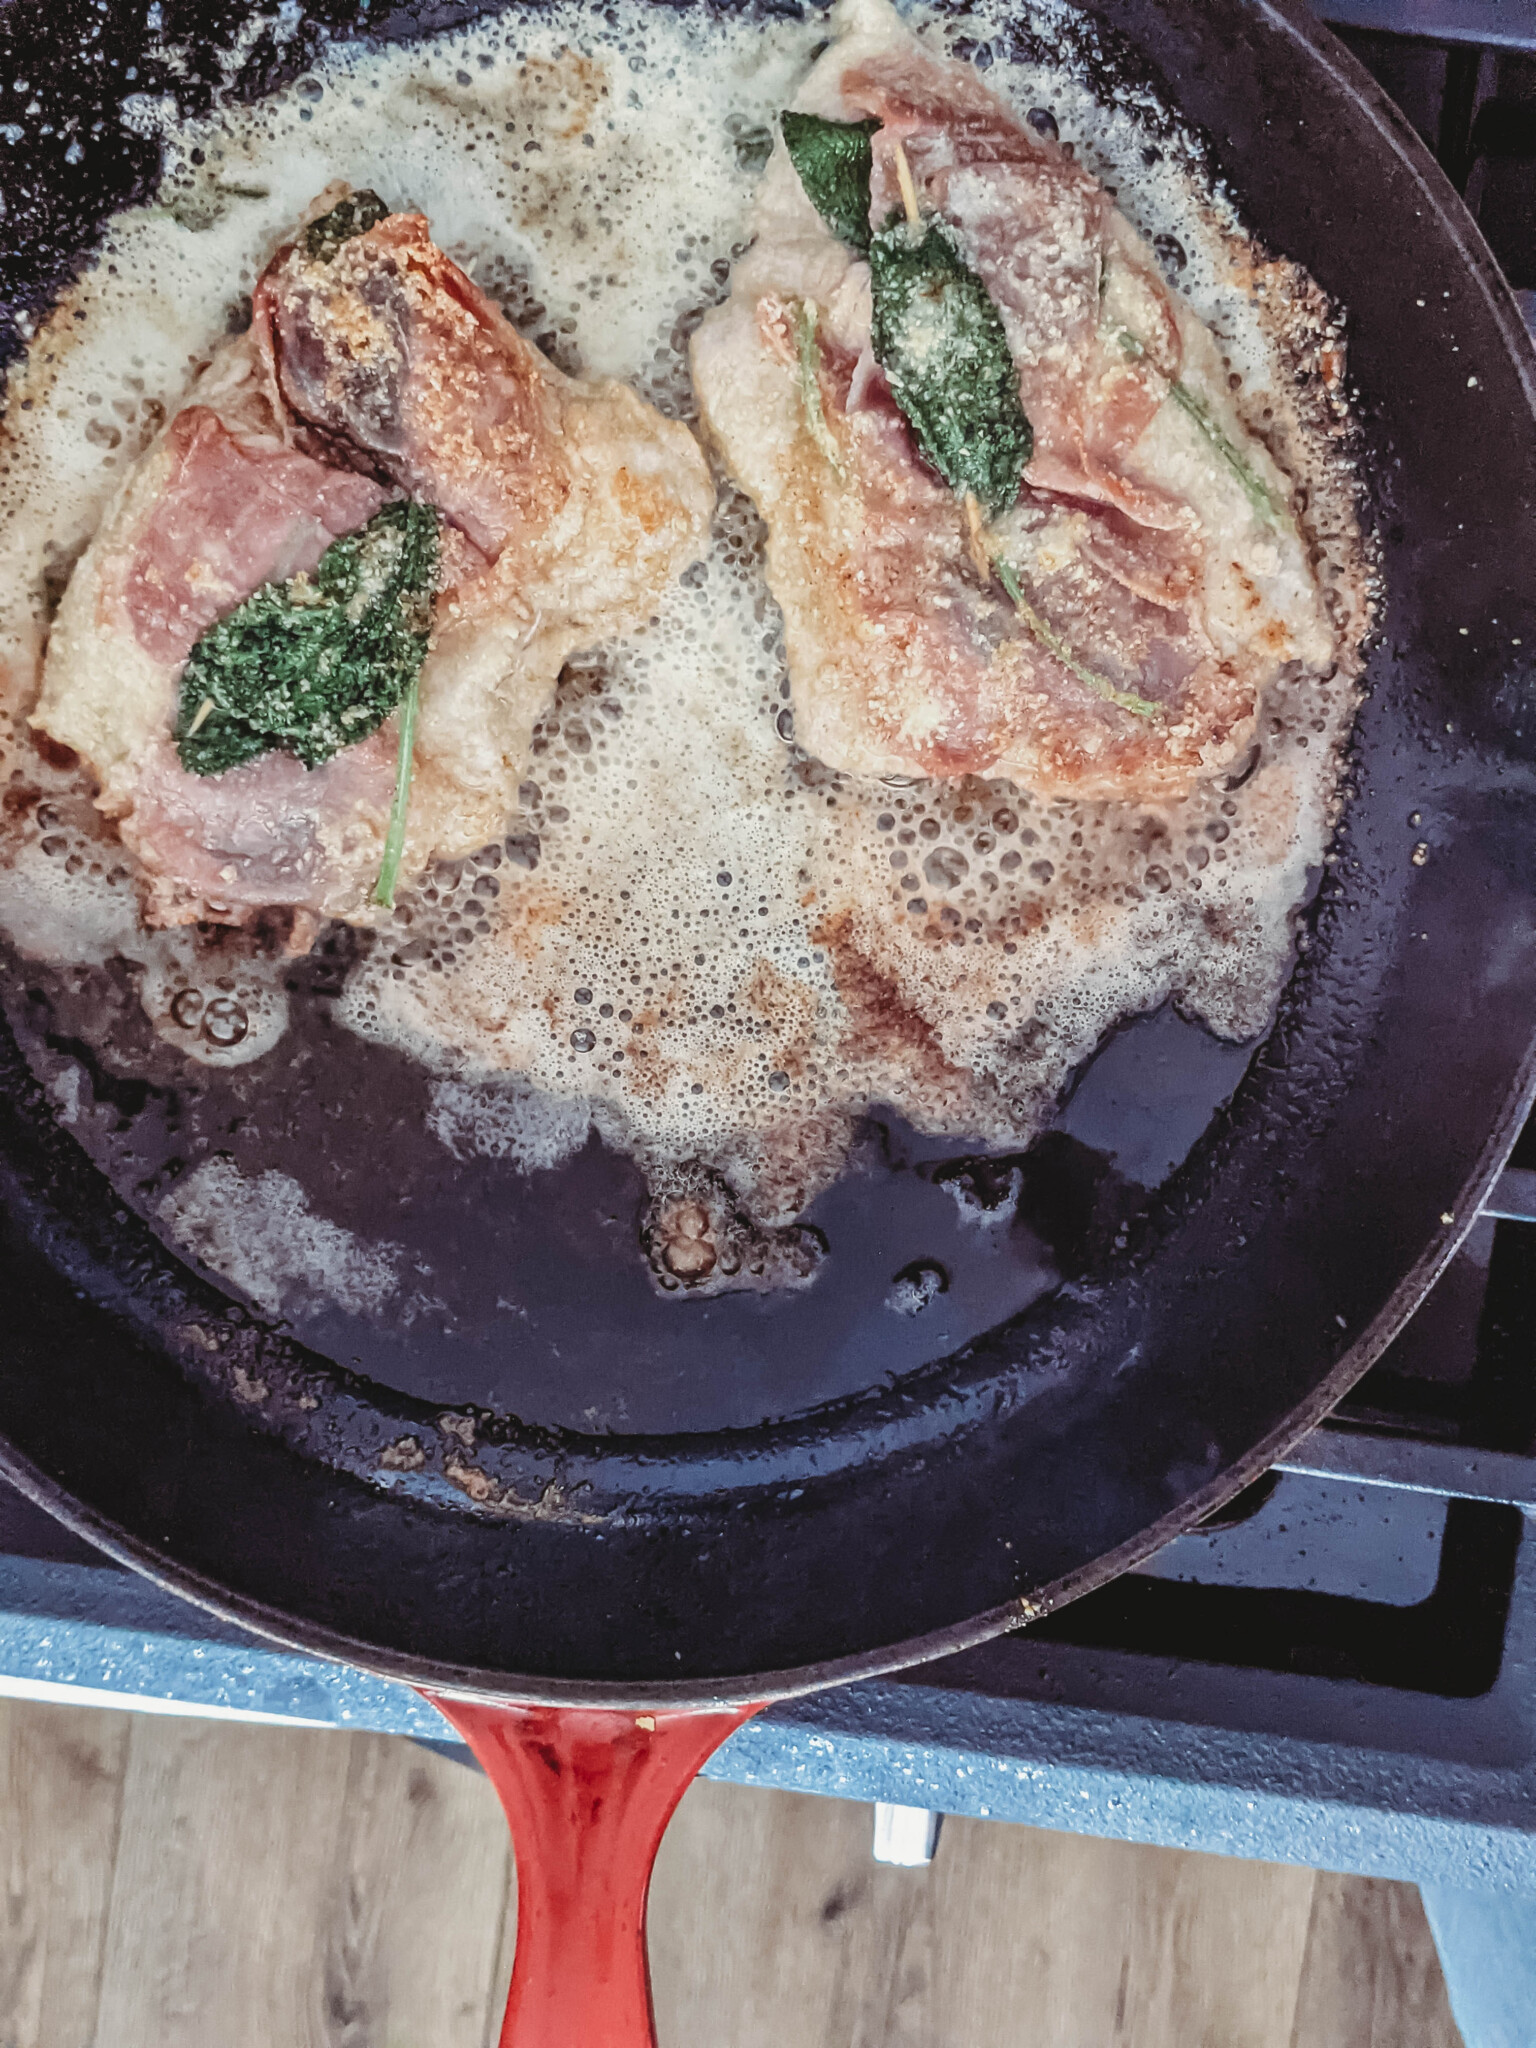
<point>169,1883</point>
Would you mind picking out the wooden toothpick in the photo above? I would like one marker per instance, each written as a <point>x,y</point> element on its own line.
<point>908,186</point>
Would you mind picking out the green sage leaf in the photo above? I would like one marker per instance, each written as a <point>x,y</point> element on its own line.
<point>942,345</point>
<point>354,216</point>
<point>319,662</point>
<point>834,162</point>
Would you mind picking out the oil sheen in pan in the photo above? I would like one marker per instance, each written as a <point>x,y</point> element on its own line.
<point>394,1207</point>
<point>312,1182</point>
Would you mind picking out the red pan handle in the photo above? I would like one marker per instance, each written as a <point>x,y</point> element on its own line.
<point>588,1793</point>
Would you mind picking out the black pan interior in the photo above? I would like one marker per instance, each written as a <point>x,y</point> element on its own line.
<point>528,1293</point>
<point>851,1507</point>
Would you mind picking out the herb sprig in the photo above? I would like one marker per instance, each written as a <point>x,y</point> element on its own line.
<point>1260,496</point>
<point>1055,645</point>
<point>394,836</point>
<point>934,329</point>
<point>808,356</point>
<point>1258,493</point>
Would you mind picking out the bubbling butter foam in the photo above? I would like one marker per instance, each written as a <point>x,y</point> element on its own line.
<point>692,936</point>
<point>260,1234</point>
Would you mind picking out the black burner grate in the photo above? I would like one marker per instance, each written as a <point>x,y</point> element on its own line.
<point>1475,105</point>
<point>1429,1579</point>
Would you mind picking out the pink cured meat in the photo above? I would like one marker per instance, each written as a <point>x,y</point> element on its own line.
<point>391,354</point>
<point>1147,572</point>
<point>915,584</point>
<point>237,511</point>
<point>269,833</point>
<point>567,506</point>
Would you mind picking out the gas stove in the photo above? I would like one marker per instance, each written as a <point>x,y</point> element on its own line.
<point>1338,1669</point>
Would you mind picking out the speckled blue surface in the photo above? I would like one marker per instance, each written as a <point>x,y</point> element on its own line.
<point>954,1736</point>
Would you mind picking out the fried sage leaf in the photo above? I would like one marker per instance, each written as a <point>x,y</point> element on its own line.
<point>319,662</point>
<point>941,342</point>
<point>834,162</point>
<point>354,216</point>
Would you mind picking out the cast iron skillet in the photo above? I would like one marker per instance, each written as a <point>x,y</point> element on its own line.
<point>929,1512</point>
<point>698,1565</point>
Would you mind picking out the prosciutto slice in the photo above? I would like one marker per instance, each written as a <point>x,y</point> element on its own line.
<point>1147,566</point>
<point>567,506</point>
